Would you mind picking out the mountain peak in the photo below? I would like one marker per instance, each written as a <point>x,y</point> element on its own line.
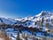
<point>42,13</point>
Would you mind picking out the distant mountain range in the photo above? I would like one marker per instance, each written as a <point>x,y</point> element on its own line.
<point>42,20</point>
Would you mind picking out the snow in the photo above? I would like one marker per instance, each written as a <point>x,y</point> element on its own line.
<point>30,23</point>
<point>6,21</point>
<point>32,19</point>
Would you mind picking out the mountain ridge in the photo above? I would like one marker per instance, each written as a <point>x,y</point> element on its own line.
<point>31,20</point>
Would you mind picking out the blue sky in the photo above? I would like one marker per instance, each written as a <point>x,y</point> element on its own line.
<point>23,8</point>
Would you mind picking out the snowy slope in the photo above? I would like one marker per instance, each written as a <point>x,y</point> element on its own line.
<point>44,16</point>
<point>7,21</point>
<point>30,20</point>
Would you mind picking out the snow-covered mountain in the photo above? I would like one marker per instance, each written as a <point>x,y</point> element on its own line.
<point>7,21</point>
<point>19,18</point>
<point>38,20</point>
<point>44,18</point>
